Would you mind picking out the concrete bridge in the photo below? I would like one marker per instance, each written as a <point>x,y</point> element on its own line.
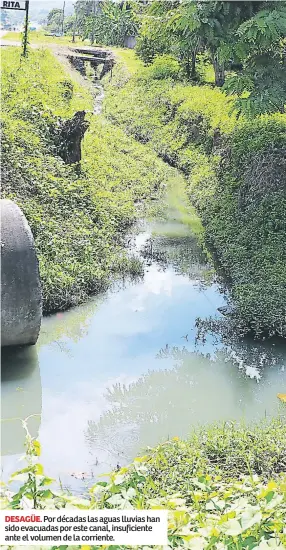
<point>78,57</point>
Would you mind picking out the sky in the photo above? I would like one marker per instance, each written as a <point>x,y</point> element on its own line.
<point>39,10</point>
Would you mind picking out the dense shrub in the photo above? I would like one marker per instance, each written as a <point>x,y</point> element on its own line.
<point>111,25</point>
<point>152,40</point>
<point>164,66</point>
<point>236,179</point>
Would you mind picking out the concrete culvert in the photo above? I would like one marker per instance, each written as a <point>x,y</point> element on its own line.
<point>21,297</point>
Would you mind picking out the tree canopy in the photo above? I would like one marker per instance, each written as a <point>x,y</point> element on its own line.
<point>106,22</point>
<point>55,20</point>
<point>244,41</point>
<point>246,36</point>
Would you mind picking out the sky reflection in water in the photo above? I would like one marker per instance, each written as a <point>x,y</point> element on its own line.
<point>115,375</point>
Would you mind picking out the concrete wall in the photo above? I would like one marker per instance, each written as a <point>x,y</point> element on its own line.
<point>21,297</point>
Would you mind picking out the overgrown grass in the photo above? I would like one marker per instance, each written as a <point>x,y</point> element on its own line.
<point>236,179</point>
<point>230,450</point>
<point>131,62</point>
<point>79,217</point>
<point>224,488</point>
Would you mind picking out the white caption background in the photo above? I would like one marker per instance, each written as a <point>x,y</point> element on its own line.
<point>87,527</point>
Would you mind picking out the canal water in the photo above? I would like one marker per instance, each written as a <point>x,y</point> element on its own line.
<point>125,371</point>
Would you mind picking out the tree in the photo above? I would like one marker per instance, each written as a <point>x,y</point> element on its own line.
<point>260,46</point>
<point>185,28</point>
<point>153,38</point>
<point>161,33</point>
<point>211,26</point>
<point>54,20</point>
<point>69,24</point>
<point>83,10</point>
<point>111,23</point>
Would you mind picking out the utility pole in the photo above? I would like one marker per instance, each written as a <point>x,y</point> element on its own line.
<point>63,18</point>
<point>25,38</point>
<point>75,24</point>
<point>93,13</point>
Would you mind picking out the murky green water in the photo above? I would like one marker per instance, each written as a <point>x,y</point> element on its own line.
<point>123,371</point>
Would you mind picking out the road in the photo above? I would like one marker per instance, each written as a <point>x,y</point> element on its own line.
<point>4,42</point>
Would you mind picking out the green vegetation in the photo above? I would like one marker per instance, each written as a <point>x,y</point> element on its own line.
<point>110,24</point>
<point>242,40</point>
<point>107,22</point>
<point>224,488</point>
<point>79,215</point>
<point>235,172</point>
<point>55,20</point>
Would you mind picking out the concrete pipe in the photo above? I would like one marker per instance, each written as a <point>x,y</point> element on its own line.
<point>21,297</point>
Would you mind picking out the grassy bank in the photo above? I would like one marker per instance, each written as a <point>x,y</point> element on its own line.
<point>224,488</point>
<point>236,178</point>
<point>79,217</point>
